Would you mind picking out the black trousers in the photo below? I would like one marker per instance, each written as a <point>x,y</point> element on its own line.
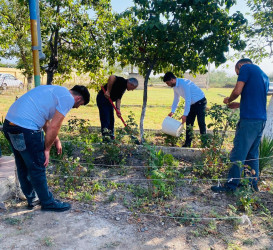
<point>107,119</point>
<point>197,109</point>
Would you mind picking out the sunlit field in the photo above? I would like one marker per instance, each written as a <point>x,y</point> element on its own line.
<point>158,105</point>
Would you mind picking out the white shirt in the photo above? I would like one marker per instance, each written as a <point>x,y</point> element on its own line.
<point>189,91</point>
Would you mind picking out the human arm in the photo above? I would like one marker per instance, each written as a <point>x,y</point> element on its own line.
<point>187,108</point>
<point>175,103</point>
<point>57,141</point>
<point>52,130</point>
<point>235,93</point>
<point>118,102</point>
<point>110,83</point>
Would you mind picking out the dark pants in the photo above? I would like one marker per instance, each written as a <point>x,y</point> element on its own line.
<point>197,109</point>
<point>28,149</point>
<point>107,119</point>
<point>245,149</point>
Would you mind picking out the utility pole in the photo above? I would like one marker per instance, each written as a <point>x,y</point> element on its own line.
<point>36,39</point>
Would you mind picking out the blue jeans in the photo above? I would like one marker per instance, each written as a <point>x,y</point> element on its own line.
<point>107,118</point>
<point>245,148</point>
<point>28,149</point>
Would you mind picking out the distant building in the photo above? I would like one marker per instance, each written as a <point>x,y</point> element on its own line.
<point>200,80</point>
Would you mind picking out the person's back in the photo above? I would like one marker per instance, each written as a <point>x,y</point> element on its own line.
<point>37,106</point>
<point>253,96</point>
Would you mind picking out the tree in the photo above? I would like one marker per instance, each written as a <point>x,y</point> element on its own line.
<point>72,39</point>
<point>15,36</point>
<point>178,35</point>
<point>259,35</point>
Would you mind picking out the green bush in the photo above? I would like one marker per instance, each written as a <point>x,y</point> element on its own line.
<point>266,151</point>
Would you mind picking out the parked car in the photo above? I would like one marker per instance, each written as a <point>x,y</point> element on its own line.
<point>8,80</point>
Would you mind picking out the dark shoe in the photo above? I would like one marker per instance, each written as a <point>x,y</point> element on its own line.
<point>186,145</point>
<point>56,206</point>
<point>255,188</point>
<point>221,189</point>
<point>33,204</point>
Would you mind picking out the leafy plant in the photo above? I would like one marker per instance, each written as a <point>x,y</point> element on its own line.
<point>215,161</point>
<point>265,154</point>
<point>162,167</point>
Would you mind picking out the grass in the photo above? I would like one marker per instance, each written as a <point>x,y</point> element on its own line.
<point>155,113</point>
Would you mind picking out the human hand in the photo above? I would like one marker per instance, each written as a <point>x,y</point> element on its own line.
<point>184,119</point>
<point>226,100</point>
<point>107,94</point>
<point>47,152</point>
<point>170,114</point>
<point>118,113</point>
<point>234,105</point>
<point>58,146</point>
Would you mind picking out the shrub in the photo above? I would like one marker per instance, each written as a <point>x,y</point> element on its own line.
<point>266,151</point>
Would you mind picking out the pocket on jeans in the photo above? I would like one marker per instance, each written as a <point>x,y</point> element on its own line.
<point>18,141</point>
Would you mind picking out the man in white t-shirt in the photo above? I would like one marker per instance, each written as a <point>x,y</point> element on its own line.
<point>43,107</point>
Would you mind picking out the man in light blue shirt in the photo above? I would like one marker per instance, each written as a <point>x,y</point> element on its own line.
<point>195,103</point>
<point>44,107</point>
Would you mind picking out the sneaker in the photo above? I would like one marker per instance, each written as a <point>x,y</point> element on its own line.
<point>220,189</point>
<point>33,204</point>
<point>56,206</point>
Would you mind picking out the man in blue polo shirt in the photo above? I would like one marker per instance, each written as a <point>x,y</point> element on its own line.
<point>252,85</point>
<point>43,107</point>
<point>195,104</point>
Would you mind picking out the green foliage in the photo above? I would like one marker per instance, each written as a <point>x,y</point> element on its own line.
<point>115,151</point>
<point>162,167</point>
<point>246,200</point>
<point>4,145</point>
<point>15,34</point>
<point>214,159</point>
<point>266,154</point>
<point>12,221</point>
<point>259,34</point>
<point>161,35</point>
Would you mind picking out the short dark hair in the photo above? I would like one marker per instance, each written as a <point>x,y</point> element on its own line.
<point>243,61</point>
<point>82,91</point>
<point>168,76</point>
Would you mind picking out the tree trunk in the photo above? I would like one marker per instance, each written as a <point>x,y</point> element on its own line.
<point>50,75</point>
<point>141,125</point>
<point>29,82</point>
<point>53,63</point>
<point>268,130</point>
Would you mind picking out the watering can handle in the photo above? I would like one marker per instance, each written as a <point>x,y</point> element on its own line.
<point>103,89</point>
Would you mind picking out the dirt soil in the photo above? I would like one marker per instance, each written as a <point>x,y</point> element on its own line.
<point>117,219</point>
<point>111,226</point>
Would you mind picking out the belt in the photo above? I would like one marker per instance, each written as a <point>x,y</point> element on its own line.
<point>201,100</point>
<point>12,124</point>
